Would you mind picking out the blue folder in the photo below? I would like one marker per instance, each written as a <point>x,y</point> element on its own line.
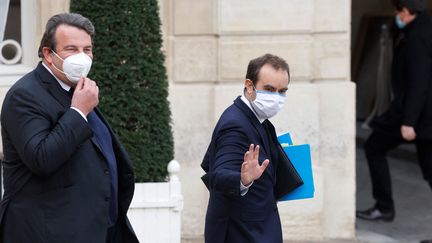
<point>300,157</point>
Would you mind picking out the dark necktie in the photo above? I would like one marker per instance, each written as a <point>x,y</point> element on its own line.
<point>272,139</point>
<point>70,92</point>
<point>104,140</point>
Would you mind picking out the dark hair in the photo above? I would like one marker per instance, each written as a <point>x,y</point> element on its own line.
<point>256,64</point>
<point>413,6</point>
<point>71,19</point>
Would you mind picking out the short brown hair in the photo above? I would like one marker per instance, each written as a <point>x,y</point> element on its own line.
<point>256,64</point>
<point>413,6</point>
<point>71,19</point>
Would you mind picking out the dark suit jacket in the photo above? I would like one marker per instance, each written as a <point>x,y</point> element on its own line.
<point>231,217</point>
<point>56,179</point>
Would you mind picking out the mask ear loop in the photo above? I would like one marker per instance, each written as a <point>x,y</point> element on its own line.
<point>52,51</point>
<point>57,67</point>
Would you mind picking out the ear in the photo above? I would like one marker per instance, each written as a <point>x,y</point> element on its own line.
<point>47,54</point>
<point>249,86</point>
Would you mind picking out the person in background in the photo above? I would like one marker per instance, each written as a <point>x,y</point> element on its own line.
<point>409,117</point>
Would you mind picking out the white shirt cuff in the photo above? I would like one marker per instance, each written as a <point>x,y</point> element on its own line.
<point>244,189</point>
<point>80,112</point>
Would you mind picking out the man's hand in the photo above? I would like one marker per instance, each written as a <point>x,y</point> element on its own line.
<point>251,170</point>
<point>86,95</point>
<point>408,132</point>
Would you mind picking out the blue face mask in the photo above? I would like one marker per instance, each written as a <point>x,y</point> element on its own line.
<point>399,23</point>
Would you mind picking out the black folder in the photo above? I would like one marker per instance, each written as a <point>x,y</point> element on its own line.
<point>287,177</point>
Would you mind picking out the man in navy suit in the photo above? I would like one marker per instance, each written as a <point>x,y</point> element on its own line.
<point>241,160</point>
<point>66,176</point>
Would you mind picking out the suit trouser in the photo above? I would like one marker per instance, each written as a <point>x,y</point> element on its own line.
<point>376,148</point>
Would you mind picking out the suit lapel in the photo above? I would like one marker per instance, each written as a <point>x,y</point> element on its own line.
<point>121,155</point>
<point>113,138</point>
<point>53,86</point>
<point>93,139</point>
<point>258,127</point>
<point>95,143</point>
<point>117,148</point>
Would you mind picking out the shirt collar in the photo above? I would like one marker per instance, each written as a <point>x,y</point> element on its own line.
<point>247,102</point>
<point>63,85</point>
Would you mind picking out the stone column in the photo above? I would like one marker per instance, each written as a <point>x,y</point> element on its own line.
<point>209,43</point>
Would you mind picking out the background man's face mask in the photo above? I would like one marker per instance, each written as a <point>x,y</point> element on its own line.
<point>75,66</point>
<point>267,104</point>
<point>399,23</point>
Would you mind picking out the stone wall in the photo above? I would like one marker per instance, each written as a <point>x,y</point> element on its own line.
<point>209,43</point>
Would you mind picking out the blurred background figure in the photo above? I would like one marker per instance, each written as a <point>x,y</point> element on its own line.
<point>407,120</point>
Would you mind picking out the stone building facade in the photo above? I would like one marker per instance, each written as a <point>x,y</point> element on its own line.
<point>208,44</point>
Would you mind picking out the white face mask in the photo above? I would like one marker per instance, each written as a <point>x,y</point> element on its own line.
<point>267,104</point>
<point>75,66</point>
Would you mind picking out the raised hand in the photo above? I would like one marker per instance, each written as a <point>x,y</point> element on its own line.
<point>251,170</point>
<point>86,95</point>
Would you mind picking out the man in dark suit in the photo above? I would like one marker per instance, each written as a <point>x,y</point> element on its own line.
<point>66,176</point>
<point>241,160</point>
<point>409,118</point>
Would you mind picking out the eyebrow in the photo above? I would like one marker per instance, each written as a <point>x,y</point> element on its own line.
<point>269,86</point>
<point>74,46</point>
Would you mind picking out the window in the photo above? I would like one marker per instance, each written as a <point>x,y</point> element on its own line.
<point>10,47</point>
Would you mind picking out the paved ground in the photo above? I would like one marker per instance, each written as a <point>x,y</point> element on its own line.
<point>413,199</point>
